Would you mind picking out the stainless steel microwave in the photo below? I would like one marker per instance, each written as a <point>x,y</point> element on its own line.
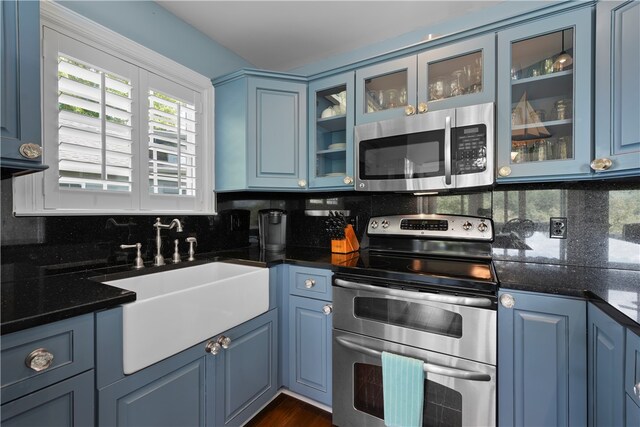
<point>434,151</point>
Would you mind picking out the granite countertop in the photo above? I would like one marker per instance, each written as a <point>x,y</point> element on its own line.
<point>36,301</point>
<point>48,298</point>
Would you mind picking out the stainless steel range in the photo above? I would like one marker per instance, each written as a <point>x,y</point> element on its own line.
<point>426,289</point>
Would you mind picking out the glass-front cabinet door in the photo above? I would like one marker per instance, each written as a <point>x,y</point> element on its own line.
<point>458,74</point>
<point>384,90</point>
<point>544,99</point>
<point>331,132</point>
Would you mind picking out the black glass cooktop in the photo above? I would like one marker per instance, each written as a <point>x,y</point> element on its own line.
<point>421,271</point>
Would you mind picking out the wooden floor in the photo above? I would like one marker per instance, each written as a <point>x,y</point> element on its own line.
<point>287,411</point>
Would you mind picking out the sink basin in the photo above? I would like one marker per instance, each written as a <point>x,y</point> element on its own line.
<point>176,309</point>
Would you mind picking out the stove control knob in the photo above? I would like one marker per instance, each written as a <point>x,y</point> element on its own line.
<point>374,224</point>
<point>467,226</point>
<point>385,223</point>
<point>482,227</point>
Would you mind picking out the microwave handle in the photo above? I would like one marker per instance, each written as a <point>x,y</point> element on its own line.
<point>427,367</point>
<point>447,150</point>
<point>422,296</point>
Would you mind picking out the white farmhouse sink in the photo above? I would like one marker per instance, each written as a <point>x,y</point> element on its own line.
<point>176,309</point>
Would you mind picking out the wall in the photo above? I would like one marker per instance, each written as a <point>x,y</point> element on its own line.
<point>155,28</point>
<point>603,226</point>
<point>490,15</point>
<point>603,218</point>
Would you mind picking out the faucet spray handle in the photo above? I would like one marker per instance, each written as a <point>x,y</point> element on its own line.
<point>192,252</point>
<point>176,253</point>
<point>139,262</point>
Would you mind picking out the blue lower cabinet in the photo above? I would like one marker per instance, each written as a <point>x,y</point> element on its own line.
<point>246,372</point>
<point>606,368</point>
<point>67,403</point>
<point>632,380</point>
<point>310,324</point>
<point>542,360</point>
<point>170,393</point>
<point>193,387</point>
<point>632,413</point>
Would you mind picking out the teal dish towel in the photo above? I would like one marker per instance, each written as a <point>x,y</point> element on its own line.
<point>403,390</point>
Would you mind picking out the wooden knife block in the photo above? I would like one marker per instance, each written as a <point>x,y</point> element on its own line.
<point>348,244</point>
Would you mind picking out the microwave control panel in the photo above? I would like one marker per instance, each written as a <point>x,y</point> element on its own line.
<point>470,144</point>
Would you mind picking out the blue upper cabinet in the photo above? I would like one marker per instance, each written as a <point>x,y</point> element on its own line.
<point>452,75</point>
<point>261,132</point>
<point>617,102</point>
<point>331,122</point>
<point>384,90</point>
<point>544,109</point>
<point>21,128</point>
<point>458,74</point>
<point>542,360</point>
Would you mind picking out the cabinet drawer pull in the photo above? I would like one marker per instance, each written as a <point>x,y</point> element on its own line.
<point>309,283</point>
<point>507,300</point>
<point>224,341</point>
<point>39,359</point>
<point>600,165</point>
<point>636,390</point>
<point>30,150</point>
<point>213,347</point>
<point>504,171</point>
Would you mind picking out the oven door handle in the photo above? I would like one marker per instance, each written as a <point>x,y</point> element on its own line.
<point>423,296</point>
<point>428,367</point>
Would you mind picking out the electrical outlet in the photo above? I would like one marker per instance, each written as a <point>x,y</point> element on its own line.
<point>558,228</point>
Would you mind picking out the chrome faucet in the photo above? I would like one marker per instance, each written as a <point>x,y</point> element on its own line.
<point>159,259</point>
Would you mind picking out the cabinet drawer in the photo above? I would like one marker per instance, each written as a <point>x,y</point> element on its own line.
<point>632,369</point>
<point>69,341</point>
<point>310,282</point>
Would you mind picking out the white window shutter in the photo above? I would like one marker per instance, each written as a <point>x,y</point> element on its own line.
<point>90,132</point>
<point>175,159</point>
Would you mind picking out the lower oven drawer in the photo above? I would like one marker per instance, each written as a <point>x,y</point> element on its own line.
<point>457,392</point>
<point>468,332</point>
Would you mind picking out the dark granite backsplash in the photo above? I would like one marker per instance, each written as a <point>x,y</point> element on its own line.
<point>603,225</point>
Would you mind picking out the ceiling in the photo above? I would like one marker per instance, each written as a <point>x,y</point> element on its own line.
<point>282,35</point>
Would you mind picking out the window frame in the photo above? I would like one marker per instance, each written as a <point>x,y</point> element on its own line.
<point>40,194</point>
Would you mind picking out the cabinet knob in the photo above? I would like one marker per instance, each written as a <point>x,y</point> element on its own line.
<point>224,341</point>
<point>213,348</point>
<point>302,183</point>
<point>348,180</point>
<point>409,110</point>
<point>600,165</point>
<point>423,108</point>
<point>39,359</point>
<point>309,283</point>
<point>636,390</point>
<point>327,309</point>
<point>507,300</point>
<point>30,150</point>
<point>504,171</point>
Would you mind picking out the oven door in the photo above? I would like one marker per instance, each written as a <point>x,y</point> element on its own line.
<point>444,323</point>
<point>457,392</point>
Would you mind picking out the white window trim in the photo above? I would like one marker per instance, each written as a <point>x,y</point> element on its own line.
<point>28,191</point>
